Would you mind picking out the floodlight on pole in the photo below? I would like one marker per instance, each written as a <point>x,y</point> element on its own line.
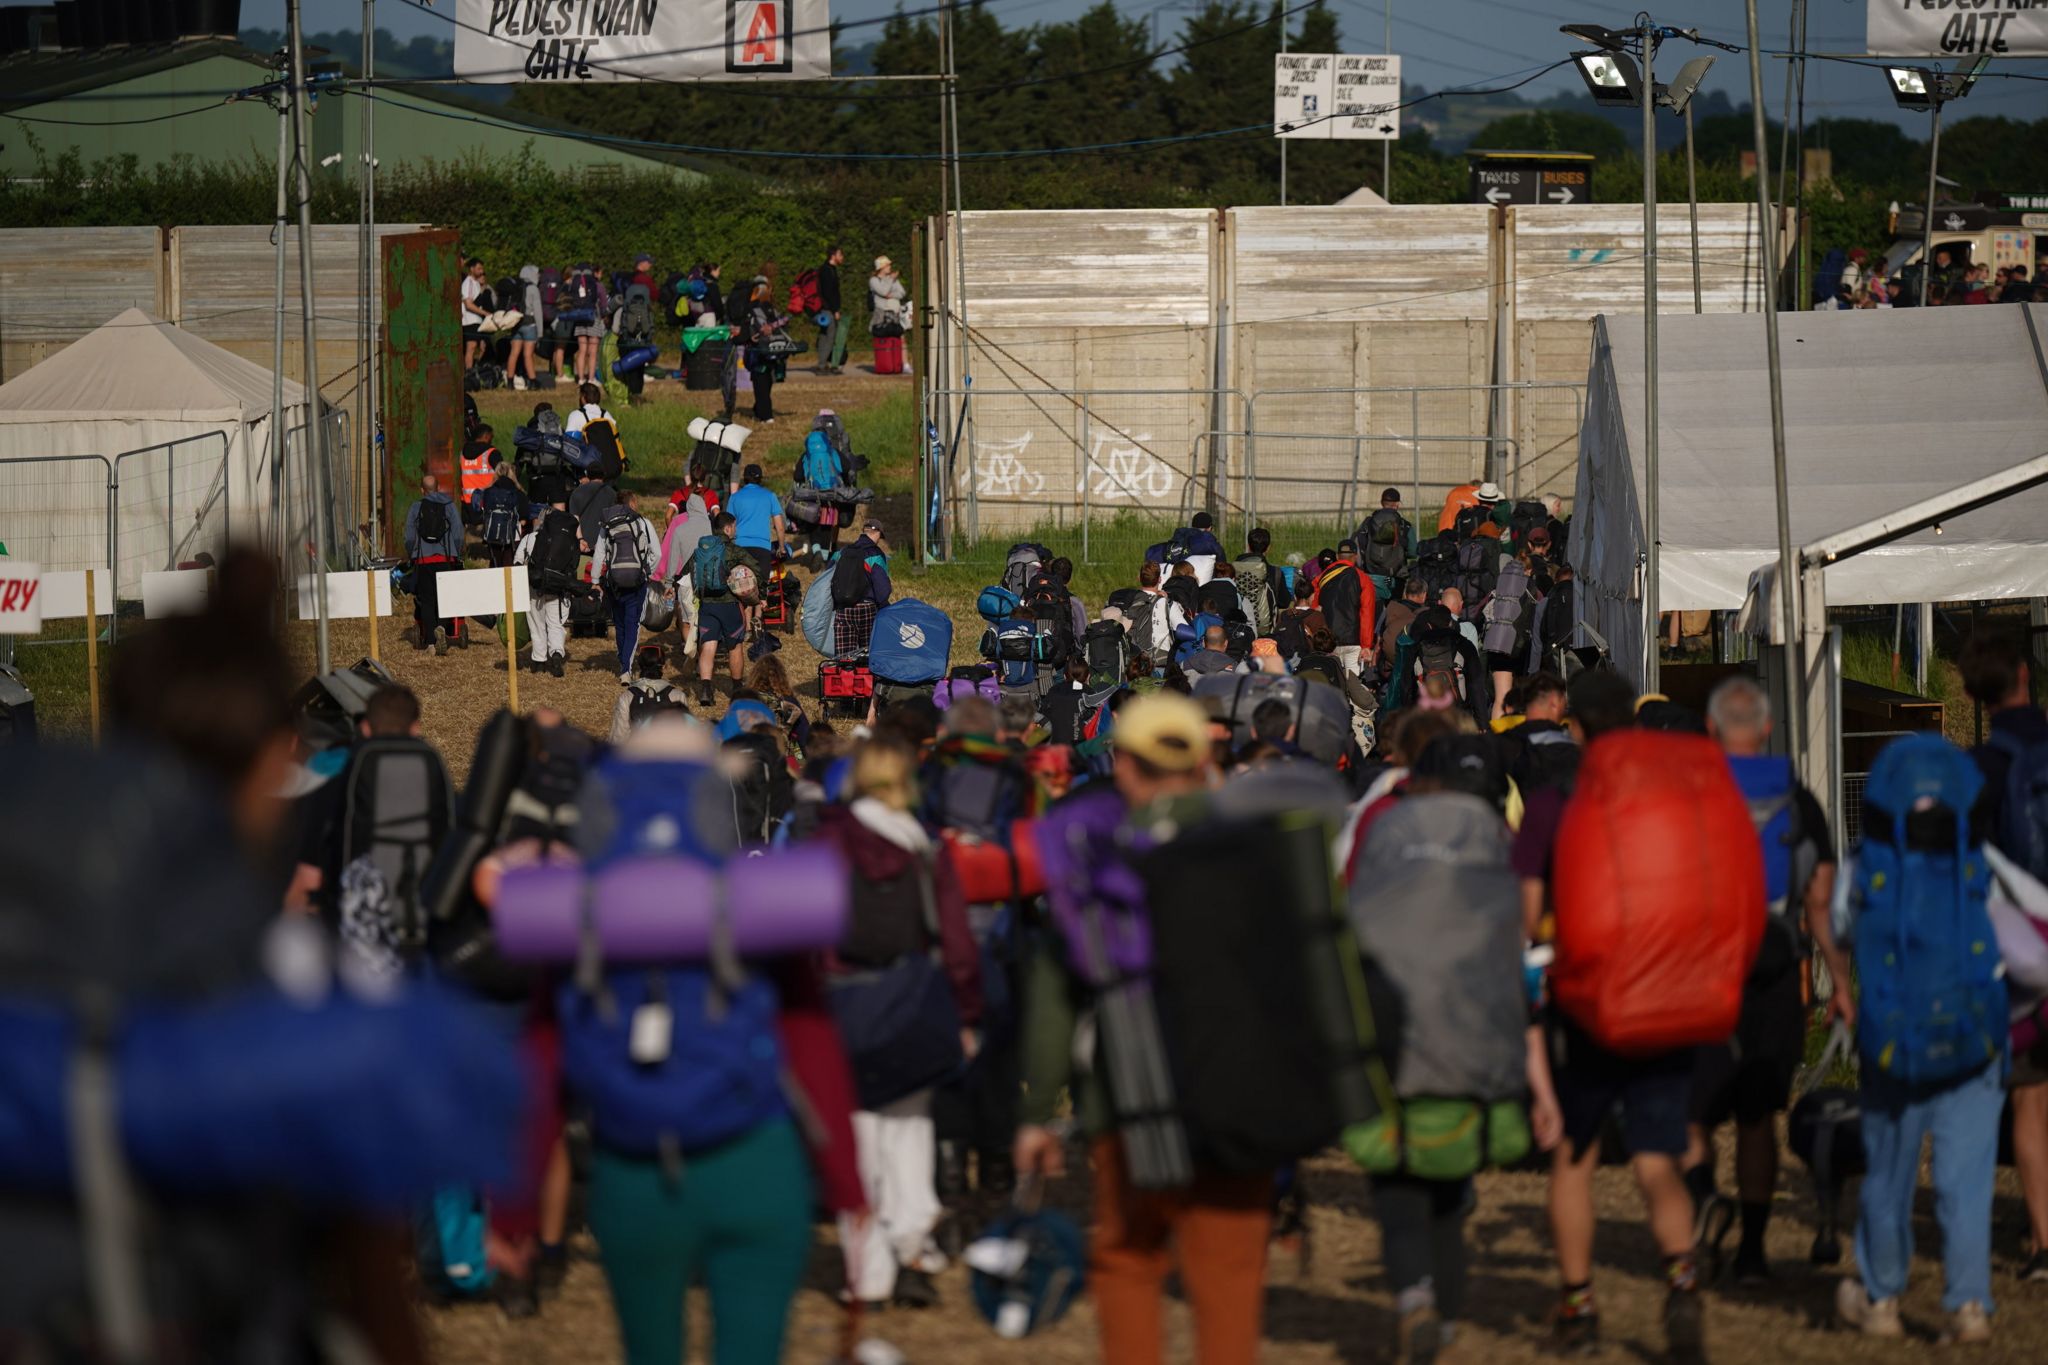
<point>1599,35</point>
<point>1612,77</point>
<point>1919,87</point>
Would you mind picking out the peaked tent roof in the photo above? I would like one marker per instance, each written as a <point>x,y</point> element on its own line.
<point>139,366</point>
<point>1883,409</point>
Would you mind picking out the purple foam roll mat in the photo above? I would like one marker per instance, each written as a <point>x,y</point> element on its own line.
<point>659,909</point>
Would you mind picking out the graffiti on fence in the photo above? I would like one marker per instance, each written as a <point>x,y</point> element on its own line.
<point>999,471</point>
<point>1119,468</point>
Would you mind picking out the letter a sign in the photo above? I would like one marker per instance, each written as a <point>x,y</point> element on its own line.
<point>757,35</point>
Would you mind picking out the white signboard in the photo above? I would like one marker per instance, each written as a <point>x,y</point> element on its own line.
<point>479,592</point>
<point>347,596</point>
<point>175,592</point>
<point>503,42</point>
<point>1304,94</point>
<point>1957,28</point>
<point>64,594</point>
<point>1336,95</point>
<point>21,597</point>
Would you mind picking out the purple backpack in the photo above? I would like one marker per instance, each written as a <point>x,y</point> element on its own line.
<point>949,690</point>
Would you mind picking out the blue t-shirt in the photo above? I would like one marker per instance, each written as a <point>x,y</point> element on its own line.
<point>753,506</point>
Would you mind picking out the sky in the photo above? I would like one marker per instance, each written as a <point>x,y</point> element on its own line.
<point>1446,42</point>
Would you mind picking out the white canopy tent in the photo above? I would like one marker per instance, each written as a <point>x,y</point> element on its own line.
<point>134,447</point>
<point>1884,409</point>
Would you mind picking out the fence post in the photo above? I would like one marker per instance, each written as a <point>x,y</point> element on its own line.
<point>511,643</point>
<point>113,549</point>
<point>370,596</point>
<point>1251,459</point>
<point>1415,442</point>
<point>92,653</point>
<point>1350,503</point>
<point>1087,483</point>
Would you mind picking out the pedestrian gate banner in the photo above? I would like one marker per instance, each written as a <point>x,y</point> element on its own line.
<point>502,42</point>
<point>1958,29</point>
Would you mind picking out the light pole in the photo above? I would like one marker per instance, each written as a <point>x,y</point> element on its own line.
<point>1678,97</point>
<point>1614,79</point>
<point>1917,87</point>
<point>1387,144</point>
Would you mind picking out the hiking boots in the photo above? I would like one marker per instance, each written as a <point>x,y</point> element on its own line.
<point>1685,1326</point>
<point>1710,1226</point>
<point>1872,1317</point>
<point>1752,1269</point>
<point>556,663</point>
<point>706,696</point>
<point>1575,1331</point>
<point>2035,1271</point>
<point>914,1289</point>
<point>1969,1325</point>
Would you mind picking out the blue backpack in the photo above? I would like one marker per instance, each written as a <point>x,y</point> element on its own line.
<point>1933,1000</point>
<point>912,642</point>
<point>996,604</point>
<point>707,565</point>
<point>720,1074</point>
<point>1018,649</point>
<point>819,467</point>
<point>1188,636</point>
<point>1770,789</point>
<point>2022,834</point>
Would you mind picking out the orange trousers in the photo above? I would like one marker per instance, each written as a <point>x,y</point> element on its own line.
<point>1214,1231</point>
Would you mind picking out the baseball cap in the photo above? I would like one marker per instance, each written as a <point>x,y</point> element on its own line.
<point>751,474</point>
<point>871,525</point>
<point>643,259</point>
<point>1166,730</point>
<point>1347,547</point>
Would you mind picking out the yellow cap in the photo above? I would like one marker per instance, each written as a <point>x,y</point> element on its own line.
<point>1166,730</point>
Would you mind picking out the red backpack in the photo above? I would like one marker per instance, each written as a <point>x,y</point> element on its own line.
<point>803,293</point>
<point>1659,889</point>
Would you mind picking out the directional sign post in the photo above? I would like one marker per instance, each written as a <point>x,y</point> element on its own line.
<point>1559,178</point>
<point>1322,95</point>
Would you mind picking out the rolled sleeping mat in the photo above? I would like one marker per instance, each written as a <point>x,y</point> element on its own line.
<point>725,435</point>
<point>990,872</point>
<point>493,773</point>
<point>662,909</point>
<point>639,358</point>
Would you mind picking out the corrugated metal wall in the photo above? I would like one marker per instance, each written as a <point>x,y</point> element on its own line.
<point>58,284</point>
<point>1399,299</point>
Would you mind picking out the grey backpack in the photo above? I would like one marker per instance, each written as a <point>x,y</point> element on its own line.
<point>1437,908</point>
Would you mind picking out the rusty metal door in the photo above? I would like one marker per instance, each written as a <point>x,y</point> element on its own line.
<point>422,389</point>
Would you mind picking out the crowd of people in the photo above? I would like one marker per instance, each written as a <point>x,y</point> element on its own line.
<point>545,325</point>
<point>1853,279</point>
<point>1256,860</point>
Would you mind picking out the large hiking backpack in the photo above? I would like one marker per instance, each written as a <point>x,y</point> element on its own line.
<point>1477,574</point>
<point>1147,616</point>
<point>1436,563</point>
<point>2022,833</point>
<point>819,468</point>
<point>1526,517</point>
<point>1050,601</point>
<point>1557,623</point>
<point>1544,757</point>
<point>1383,543</point>
<point>764,793</point>
<point>557,546</point>
<point>719,1074</point>
<point>708,565</point>
<point>972,796</point>
<point>996,604</point>
<point>623,569</point>
<point>550,298</point>
<point>850,584</point>
<point>1509,614</point>
<point>1107,649</point>
<point>818,610</point>
<point>804,295</point>
<point>1019,649</point>
<point>1438,652</point>
<point>1253,576</point>
<point>1437,910</point>
<point>1469,520</point>
<point>1932,1003</point>
<point>1321,715</point>
<point>1659,889</point>
<point>396,809</point>
<point>603,439</point>
<point>912,642</point>
<point>1770,789</point>
<point>1023,564</point>
<point>579,298</point>
<point>501,515</point>
<point>636,317</point>
<point>1260,1030</point>
<point>1191,638</point>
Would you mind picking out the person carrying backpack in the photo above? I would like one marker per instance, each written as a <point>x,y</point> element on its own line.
<point>1216,1219</point>
<point>624,560</point>
<point>833,326</point>
<point>550,552</point>
<point>1400,613</point>
<point>1345,596</point>
<point>585,304</point>
<point>860,588</point>
<point>1151,618</point>
<point>1258,582</point>
<point>907,934</point>
<point>1749,1079</point>
<point>1509,617</point>
<point>433,542</point>
<point>1932,1034</point>
<point>1055,608</point>
<point>2014,808</point>
<point>693,506</point>
<point>721,616</point>
<point>501,512</point>
<point>1386,542</point>
<point>1293,626</point>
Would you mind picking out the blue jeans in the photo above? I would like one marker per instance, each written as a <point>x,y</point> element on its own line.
<point>1963,1121</point>
<point>626,609</point>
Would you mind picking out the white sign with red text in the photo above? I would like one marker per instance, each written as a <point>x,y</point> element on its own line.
<point>21,597</point>
<point>502,42</point>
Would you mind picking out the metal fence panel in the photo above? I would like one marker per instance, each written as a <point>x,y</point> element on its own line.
<point>56,509</point>
<point>170,503</point>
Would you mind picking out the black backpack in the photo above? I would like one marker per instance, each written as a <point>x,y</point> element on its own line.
<point>1184,593</point>
<point>1526,517</point>
<point>432,523</point>
<point>396,809</point>
<point>850,586</point>
<point>601,436</point>
<point>1383,543</point>
<point>1555,624</point>
<point>1437,655</point>
<point>764,792</point>
<point>501,516</point>
<point>623,570</point>
<point>1289,635</point>
<point>1219,597</point>
<point>557,546</point>
<point>1470,519</point>
<point>1107,649</point>
<point>1049,601</point>
<point>1476,573</point>
<point>1436,562</point>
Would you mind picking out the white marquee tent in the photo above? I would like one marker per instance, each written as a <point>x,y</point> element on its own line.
<point>162,442</point>
<point>1883,409</point>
